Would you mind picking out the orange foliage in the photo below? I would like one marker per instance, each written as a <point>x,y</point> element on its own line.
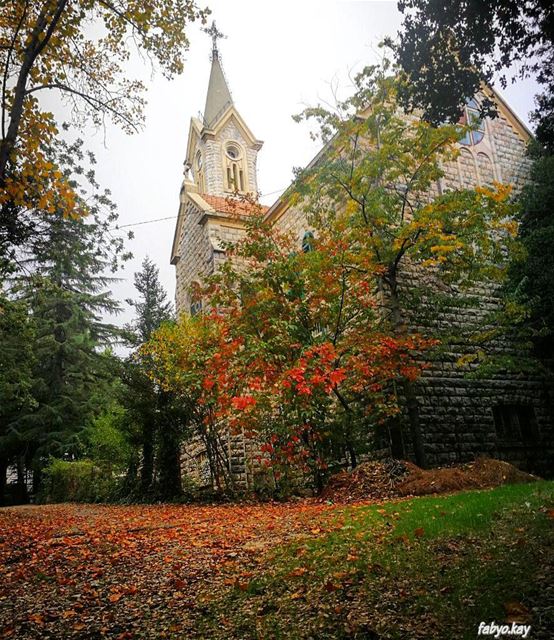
<point>105,569</point>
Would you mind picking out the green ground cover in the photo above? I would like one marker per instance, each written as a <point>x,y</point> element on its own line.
<point>431,567</point>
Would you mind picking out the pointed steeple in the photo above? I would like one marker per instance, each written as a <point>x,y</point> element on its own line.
<point>219,96</point>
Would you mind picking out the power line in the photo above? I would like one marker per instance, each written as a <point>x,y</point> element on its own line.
<point>136,224</point>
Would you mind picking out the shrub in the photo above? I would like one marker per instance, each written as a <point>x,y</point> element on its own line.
<point>76,481</point>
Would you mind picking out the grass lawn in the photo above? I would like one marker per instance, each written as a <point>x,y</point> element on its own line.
<point>430,567</point>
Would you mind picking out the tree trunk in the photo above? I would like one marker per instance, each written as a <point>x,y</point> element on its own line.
<point>130,482</point>
<point>147,469</point>
<point>352,454</point>
<point>3,479</point>
<point>22,496</point>
<point>169,463</point>
<point>415,426</point>
<point>39,38</point>
<point>212,457</point>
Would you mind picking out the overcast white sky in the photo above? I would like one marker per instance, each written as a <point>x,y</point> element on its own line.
<point>278,57</point>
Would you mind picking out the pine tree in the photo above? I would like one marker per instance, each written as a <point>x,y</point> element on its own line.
<point>62,279</point>
<point>16,364</point>
<point>143,399</point>
<point>152,308</point>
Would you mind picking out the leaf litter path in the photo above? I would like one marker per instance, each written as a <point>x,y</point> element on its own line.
<point>95,571</point>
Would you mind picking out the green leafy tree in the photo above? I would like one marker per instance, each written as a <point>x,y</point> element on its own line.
<point>16,382</point>
<point>448,48</point>
<point>373,191</point>
<point>105,441</point>
<point>154,417</point>
<point>532,278</point>
<point>63,282</point>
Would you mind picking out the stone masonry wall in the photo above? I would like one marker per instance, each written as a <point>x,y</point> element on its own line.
<point>457,413</point>
<point>196,254</point>
<point>201,248</point>
<point>202,244</point>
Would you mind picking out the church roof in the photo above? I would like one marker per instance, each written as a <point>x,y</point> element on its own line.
<point>232,206</point>
<point>219,97</point>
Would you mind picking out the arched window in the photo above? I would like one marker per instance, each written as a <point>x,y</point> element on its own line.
<point>471,117</point>
<point>235,170</point>
<point>196,307</point>
<point>308,242</point>
<point>199,173</point>
<point>195,299</point>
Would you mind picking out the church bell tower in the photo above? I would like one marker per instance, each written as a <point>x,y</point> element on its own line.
<point>221,151</point>
<point>220,171</point>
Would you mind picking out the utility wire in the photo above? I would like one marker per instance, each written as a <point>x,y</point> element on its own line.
<point>136,224</point>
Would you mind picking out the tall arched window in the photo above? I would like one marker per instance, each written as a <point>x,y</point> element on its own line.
<point>308,242</point>
<point>195,299</point>
<point>471,117</point>
<point>235,169</point>
<point>199,172</point>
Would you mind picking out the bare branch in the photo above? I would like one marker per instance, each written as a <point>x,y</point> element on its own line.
<point>95,103</point>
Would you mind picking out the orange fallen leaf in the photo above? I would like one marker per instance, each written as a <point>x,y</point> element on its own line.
<point>516,612</point>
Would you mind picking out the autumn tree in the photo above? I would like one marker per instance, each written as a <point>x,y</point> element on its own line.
<point>79,50</point>
<point>447,49</point>
<point>182,359</point>
<point>313,350</point>
<point>374,189</point>
<point>293,369</point>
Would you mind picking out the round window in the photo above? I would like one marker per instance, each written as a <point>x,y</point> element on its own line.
<point>233,151</point>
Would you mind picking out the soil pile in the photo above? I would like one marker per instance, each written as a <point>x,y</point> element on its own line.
<point>375,480</point>
<point>387,479</point>
<point>481,474</point>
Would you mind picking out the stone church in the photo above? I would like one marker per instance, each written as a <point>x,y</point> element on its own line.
<point>508,416</point>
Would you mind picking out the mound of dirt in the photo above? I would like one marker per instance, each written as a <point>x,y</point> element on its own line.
<point>375,480</point>
<point>481,474</point>
<point>387,479</point>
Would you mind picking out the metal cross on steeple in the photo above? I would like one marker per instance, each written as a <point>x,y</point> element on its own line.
<point>215,34</point>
